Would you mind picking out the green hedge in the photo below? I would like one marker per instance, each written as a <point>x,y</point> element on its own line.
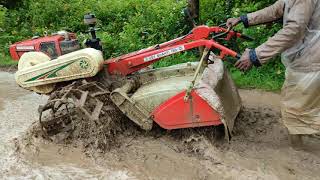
<point>126,25</point>
<point>129,25</point>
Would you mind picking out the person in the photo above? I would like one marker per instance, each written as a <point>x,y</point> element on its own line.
<point>299,43</point>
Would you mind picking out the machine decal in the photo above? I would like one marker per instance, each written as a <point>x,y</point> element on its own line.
<point>49,74</point>
<point>164,53</point>
<point>84,64</point>
<point>25,48</point>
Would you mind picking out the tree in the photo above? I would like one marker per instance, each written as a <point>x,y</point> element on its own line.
<point>11,4</point>
<point>193,6</point>
<point>2,16</point>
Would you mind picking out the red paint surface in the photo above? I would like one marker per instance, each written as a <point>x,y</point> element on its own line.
<point>175,113</point>
<point>16,54</point>
<point>199,37</point>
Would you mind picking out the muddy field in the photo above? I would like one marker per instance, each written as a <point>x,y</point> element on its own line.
<point>259,148</point>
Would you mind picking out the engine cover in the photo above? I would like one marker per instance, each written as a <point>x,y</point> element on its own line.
<point>79,64</point>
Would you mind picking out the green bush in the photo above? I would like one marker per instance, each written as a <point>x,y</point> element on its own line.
<point>2,36</point>
<point>129,25</point>
<point>271,75</point>
<point>2,16</point>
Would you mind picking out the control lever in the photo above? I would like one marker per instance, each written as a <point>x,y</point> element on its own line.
<point>94,42</point>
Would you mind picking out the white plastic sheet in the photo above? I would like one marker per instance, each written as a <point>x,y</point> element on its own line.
<point>301,102</point>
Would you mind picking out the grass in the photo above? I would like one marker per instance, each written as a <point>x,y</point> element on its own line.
<point>269,77</point>
<point>6,61</point>
<point>176,59</point>
<point>256,80</point>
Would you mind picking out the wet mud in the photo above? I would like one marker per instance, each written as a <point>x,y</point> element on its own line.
<point>69,122</point>
<point>259,148</point>
<point>10,69</point>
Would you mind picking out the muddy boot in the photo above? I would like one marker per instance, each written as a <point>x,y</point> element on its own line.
<point>296,141</point>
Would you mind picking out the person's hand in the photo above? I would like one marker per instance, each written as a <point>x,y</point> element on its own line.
<point>244,63</point>
<point>231,22</point>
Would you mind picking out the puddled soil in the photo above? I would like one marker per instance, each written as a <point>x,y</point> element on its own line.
<point>66,124</point>
<point>259,148</point>
<point>10,69</point>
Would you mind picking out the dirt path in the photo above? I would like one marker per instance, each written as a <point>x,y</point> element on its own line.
<point>258,150</point>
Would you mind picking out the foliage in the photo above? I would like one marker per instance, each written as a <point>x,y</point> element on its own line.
<point>271,75</point>
<point>126,25</point>
<point>11,3</point>
<point>7,61</point>
<point>2,15</point>
<point>129,25</point>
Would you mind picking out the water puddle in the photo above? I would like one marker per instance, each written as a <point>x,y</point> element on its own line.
<point>18,111</point>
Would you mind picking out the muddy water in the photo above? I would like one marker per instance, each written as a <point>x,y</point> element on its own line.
<point>18,110</point>
<point>259,148</point>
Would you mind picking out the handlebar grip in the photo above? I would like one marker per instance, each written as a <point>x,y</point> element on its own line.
<point>245,37</point>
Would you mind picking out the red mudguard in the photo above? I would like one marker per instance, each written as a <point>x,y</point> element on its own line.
<point>175,113</point>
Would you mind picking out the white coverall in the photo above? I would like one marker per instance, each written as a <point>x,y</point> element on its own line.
<point>299,43</point>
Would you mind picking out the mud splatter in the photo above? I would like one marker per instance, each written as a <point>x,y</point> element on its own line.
<point>26,157</point>
<point>259,141</point>
<point>259,148</point>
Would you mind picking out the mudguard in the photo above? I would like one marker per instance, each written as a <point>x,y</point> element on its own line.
<point>160,98</point>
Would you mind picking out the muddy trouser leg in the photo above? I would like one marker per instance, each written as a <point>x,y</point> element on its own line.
<point>301,102</point>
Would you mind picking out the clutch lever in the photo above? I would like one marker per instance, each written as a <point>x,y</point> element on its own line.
<point>224,25</point>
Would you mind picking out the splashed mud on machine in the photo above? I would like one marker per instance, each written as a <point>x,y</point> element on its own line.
<point>82,85</point>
